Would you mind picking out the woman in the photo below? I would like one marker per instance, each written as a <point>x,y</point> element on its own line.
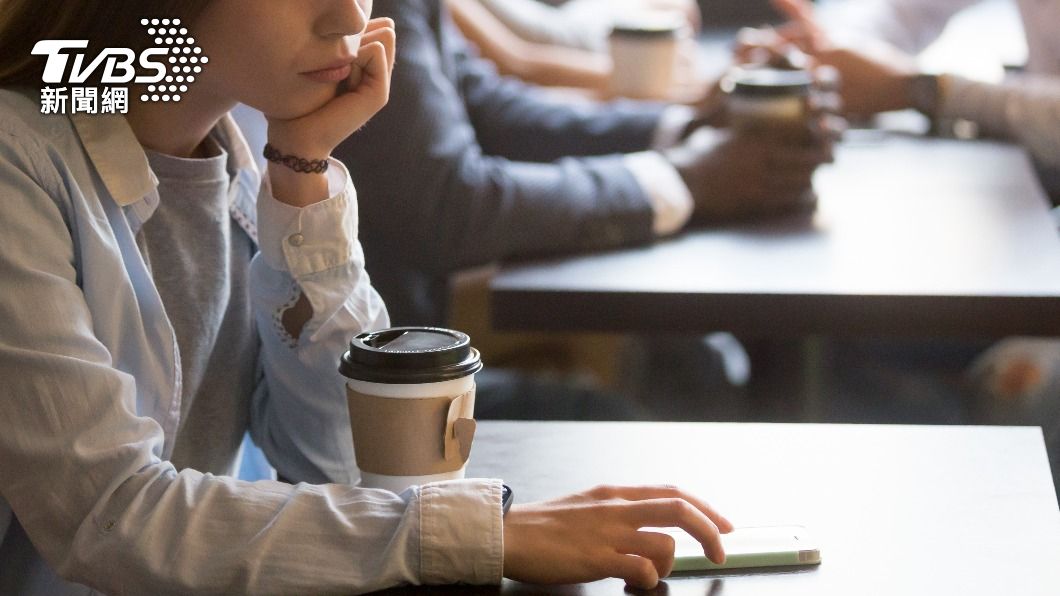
<point>154,305</point>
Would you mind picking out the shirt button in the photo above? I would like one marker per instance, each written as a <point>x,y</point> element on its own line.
<point>295,240</point>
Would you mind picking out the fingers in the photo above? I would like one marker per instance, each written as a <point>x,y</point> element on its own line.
<point>786,190</point>
<point>798,158</point>
<point>379,23</point>
<point>368,95</point>
<point>669,506</point>
<point>801,12</point>
<point>680,513</point>
<point>781,48</point>
<point>382,30</point>
<point>641,493</point>
<point>654,546</point>
<point>372,60</point>
<point>638,572</point>
<point>829,130</point>
<point>796,10</point>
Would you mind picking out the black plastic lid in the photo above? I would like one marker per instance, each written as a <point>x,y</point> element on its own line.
<point>408,355</point>
<point>768,82</point>
<point>649,25</point>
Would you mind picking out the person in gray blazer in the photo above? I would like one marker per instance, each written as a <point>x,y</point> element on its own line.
<point>464,167</point>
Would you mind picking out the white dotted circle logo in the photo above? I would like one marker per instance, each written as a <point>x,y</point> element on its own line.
<point>184,59</point>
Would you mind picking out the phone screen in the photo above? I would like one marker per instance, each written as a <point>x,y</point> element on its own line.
<point>764,546</point>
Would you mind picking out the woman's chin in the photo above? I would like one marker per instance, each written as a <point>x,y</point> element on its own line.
<point>302,106</point>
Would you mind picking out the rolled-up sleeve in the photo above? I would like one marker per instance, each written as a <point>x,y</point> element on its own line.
<point>1026,108</point>
<point>461,532</point>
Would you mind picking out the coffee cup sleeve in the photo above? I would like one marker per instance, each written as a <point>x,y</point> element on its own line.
<point>394,436</point>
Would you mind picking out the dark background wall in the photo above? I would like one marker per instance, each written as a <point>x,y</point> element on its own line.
<point>730,13</point>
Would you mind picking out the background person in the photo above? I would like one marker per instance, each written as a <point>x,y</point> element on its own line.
<point>1024,107</point>
<point>465,167</point>
<point>1016,381</point>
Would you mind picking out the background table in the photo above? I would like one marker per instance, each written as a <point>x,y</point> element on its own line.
<point>913,236</point>
<point>898,510</point>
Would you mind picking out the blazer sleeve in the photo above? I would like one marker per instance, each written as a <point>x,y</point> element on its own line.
<point>524,122</point>
<point>434,199</point>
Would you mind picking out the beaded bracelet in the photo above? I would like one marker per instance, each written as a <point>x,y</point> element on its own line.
<point>298,164</point>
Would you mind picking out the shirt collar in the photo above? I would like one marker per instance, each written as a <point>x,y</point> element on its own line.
<point>122,165</point>
<point>117,156</point>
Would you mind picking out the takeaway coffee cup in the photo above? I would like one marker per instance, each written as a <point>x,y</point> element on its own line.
<point>411,395</point>
<point>772,101</point>
<point>768,98</point>
<point>644,53</point>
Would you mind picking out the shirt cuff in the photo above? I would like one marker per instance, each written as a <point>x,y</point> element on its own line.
<point>673,121</point>
<point>671,201</point>
<point>461,532</point>
<point>986,104</point>
<point>307,240</point>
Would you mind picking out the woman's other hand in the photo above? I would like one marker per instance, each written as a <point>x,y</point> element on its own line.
<point>316,134</point>
<point>601,533</point>
<point>360,96</point>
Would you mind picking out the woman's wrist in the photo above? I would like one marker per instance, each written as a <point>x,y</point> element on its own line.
<point>302,165</point>
<point>297,179</point>
<point>302,141</point>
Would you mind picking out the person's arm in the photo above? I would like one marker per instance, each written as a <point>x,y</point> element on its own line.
<point>1024,108</point>
<point>520,122</point>
<point>540,63</point>
<point>83,470</point>
<point>433,198</point>
<point>564,25</point>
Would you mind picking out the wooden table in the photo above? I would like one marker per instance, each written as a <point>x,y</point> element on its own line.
<point>913,236</point>
<point>898,510</point>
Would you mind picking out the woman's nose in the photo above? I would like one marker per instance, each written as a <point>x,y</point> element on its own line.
<point>343,17</point>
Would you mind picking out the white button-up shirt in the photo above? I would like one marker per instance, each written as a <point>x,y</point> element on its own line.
<point>90,393</point>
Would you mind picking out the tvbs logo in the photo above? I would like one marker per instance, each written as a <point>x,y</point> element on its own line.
<point>166,70</point>
<point>119,63</point>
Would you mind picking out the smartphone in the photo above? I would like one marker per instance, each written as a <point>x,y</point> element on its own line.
<point>763,546</point>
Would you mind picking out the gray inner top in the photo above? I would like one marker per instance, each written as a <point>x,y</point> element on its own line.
<point>199,258</point>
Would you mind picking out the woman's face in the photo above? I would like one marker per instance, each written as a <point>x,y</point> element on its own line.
<point>283,57</point>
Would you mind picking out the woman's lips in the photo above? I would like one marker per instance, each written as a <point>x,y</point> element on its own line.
<point>329,75</point>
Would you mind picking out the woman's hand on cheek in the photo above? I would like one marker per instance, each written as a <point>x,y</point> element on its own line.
<point>364,93</point>
<point>598,533</point>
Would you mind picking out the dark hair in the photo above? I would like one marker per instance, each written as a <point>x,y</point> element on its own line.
<point>104,23</point>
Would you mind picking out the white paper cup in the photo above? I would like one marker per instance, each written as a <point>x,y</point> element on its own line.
<point>644,54</point>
